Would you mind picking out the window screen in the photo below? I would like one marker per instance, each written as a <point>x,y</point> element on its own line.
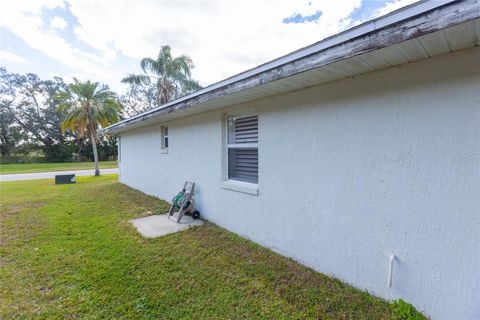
<point>242,148</point>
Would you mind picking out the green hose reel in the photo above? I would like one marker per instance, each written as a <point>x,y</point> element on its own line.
<point>184,203</point>
<point>178,199</point>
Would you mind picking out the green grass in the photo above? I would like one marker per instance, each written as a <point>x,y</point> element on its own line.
<point>68,252</point>
<point>44,167</point>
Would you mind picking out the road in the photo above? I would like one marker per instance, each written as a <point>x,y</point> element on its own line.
<point>51,175</point>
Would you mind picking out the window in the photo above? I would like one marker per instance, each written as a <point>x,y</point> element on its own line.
<point>119,148</point>
<point>164,133</point>
<point>242,147</point>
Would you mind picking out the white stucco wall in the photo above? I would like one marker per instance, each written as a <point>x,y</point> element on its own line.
<point>350,172</point>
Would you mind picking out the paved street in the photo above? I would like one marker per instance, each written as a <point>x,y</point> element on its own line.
<point>51,175</point>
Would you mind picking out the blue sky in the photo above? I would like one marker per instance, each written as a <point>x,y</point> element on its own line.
<point>104,40</point>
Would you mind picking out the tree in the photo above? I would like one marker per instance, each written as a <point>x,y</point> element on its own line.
<point>29,120</point>
<point>165,78</point>
<point>87,106</point>
<point>10,135</point>
<point>138,98</point>
<point>30,123</point>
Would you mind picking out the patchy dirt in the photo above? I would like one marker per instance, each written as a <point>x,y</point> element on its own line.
<point>16,208</point>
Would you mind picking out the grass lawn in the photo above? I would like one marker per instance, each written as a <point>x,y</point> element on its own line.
<point>67,251</point>
<point>44,167</point>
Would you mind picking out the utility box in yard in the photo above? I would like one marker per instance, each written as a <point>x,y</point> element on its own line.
<point>65,179</point>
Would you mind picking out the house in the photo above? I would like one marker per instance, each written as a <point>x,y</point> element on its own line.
<point>358,156</point>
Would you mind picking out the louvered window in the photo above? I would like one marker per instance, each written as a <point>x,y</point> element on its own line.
<point>242,147</point>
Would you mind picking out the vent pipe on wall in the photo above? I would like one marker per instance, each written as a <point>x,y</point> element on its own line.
<point>390,270</point>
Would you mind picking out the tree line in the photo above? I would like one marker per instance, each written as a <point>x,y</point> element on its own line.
<point>30,123</point>
<point>52,121</point>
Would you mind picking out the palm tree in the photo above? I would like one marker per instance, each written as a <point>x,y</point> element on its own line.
<point>171,76</point>
<point>87,106</point>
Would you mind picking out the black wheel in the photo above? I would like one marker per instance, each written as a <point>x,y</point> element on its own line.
<point>186,205</point>
<point>195,214</point>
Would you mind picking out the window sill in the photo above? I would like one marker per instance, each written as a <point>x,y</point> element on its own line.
<point>245,187</point>
<point>164,151</point>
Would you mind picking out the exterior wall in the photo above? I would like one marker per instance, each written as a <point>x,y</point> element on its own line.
<point>350,172</point>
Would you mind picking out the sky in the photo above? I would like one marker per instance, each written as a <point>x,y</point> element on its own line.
<point>104,40</point>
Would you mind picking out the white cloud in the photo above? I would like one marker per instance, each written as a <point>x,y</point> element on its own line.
<point>222,38</point>
<point>58,23</point>
<point>392,6</point>
<point>13,10</point>
<point>24,18</point>
<point>11,57</point>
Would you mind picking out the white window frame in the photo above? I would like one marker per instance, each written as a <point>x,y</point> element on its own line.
<point>231,184</point>
<point>164,137</point>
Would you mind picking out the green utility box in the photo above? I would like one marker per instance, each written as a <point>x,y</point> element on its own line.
<point>65,179</point>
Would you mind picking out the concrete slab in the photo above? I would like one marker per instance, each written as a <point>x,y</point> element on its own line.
<point>159,225</point>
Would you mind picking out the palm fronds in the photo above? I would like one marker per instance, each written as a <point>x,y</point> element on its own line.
<point>170,76</point>
<point>86,106</point>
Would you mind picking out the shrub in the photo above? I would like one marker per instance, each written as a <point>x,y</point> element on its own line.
<point>405,311</point>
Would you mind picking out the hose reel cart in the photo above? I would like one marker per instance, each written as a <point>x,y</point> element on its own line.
<point>184,202</point>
